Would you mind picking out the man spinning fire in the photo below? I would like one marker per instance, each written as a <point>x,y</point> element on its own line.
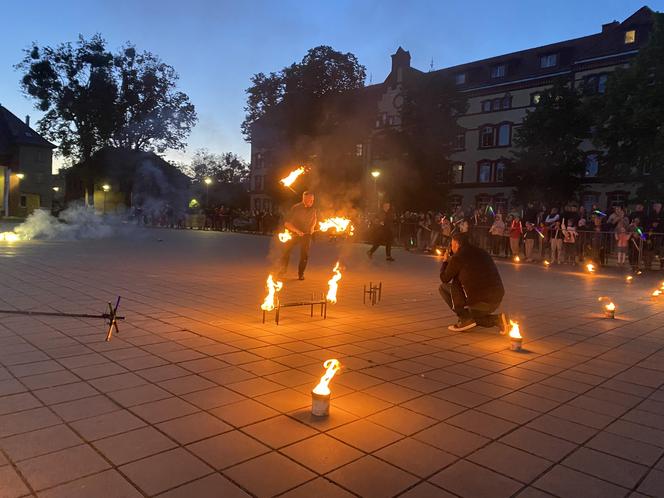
<point>301,222</point>
<point>471,286</point>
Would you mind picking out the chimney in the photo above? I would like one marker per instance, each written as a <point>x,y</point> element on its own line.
<point>27,120</point>
<point>609,26</point>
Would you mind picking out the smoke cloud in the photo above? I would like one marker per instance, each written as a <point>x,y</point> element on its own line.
<point>74,223</point>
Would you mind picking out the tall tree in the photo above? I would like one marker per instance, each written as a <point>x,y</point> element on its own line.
<point>299,89</point>
<point>93,98</point>
<point>630,118</point>
<point>221,168</point>
<point>549,165</point>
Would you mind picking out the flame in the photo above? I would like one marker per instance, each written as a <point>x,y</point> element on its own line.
<point>439,252</point>
<point>285,236</point>
<point>323,386</point>
<point>629,279</point>
<point>9,237</point>
<point>590,267</point>
<point>661,286</point>
<point>333,286</point>
<point>338,223</point>
<point>517,259</point>
<point>610,307</point>
<point>657,293</point>
<point>547,262</point>
<point>292,176</point>
<point>272,289</point>
<point>514,331</point>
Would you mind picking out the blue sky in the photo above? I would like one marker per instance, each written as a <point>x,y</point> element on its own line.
<point>216,45</point>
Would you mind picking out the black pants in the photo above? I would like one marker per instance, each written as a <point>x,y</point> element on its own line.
<point>456,299</point>
<point>304,242</point>
<point>385,240</point>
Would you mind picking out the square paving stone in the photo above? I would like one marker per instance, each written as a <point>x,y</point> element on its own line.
<point>84,408</point>
<point>139,395</point>
<point>481,423</point>
<point>277,474</point>
<point>653,484</point>
<point>109,484</point>
<point>62,466</point>
<point>18,402</point>
<point>38,442</point>
<point>12,485</point>
<point>187,384</point>
<point>361,404</point>
<point>624,447</point>
<point>369,477</point>
<point>562,481</point>
<point>134,445</point>
<point>28,420</point>
<point>286,400</point>
<point>416,457</point>
<point>193,427</point>
<point>364,435</point>
<point>426,490</point>
<point>320,487</point>
<point>227,449</point>
<point>68,392</point>
<point>436,408</point>
<point>322,453</point>
<point>212,486</point>
<point>469,480</point>
<point>279,431</point>
<point>244,412</point>
<point>451,439</point>
<point>162,410</point>
<point>402,420</point>
<point>106,425</point>
<point>606,467</point>
<point>212,398</point>
<point>538,443</point>
<point>164,471</point>
<point>510,461</point>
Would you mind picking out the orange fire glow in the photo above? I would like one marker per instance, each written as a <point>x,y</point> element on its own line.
<point>292,176</point>
<point>547,262</point>
<point>657,293</point>
<point>629,279</point>
<point>610,307</point>
<point>517,259</point>
<point>590,267</point>
<point>285,236</point>
<point>333,285</point>
<point>338,223</point>
<point>439,252</point>
<point>515,333</point>
<point>9,237</point>
<point>272,289</point>
<point>323,387</point>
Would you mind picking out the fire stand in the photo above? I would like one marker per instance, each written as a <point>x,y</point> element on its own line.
<point>375,293</point>
<point>315,301</point>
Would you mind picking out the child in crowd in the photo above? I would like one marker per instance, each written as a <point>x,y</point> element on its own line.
<point>569,243</point>
<point>622,239</point>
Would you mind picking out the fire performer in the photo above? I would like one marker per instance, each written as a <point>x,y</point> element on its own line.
<point>471,286</point>
<point>301,222</point>
<point>383,232</point>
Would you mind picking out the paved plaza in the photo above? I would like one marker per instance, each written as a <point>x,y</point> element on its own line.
<point>197,398</point>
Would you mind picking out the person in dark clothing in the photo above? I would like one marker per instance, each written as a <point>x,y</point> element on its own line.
<point>301,222</point>
<point>383,232</point>
<point>471,286</point>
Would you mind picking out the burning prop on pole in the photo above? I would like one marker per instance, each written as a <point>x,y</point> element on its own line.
<point>591,267</point>
<point>271,300</point>
<point>285,236</point>
<point>291,177</point>
<point>516,339</point>
<point>320,395</point>
<point>338,224</point>
<point>333,285</point>
<point>610,310</point>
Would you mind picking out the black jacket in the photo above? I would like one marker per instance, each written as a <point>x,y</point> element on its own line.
<point>474,268</point>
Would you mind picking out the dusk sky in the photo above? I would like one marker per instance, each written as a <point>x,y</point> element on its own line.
<point>216,45</point>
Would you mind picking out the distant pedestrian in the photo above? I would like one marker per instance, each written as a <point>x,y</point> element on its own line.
<point>383,232</point>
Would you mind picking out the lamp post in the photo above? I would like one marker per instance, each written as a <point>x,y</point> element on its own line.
<point>207,181</point>
<point>106,187</point>
<point>375,174</point>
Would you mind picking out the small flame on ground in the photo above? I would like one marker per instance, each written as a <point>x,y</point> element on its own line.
<point>292,176</point>
<point>610,307</point>
<point>9,237</point>
<point>285,236</point>
<point>629,279</point>
<point>590,267</point>
<point>339,224</point>
<point>323,387</point>
<point>657,293</point>
<point>517,259</point>
<point>547,262</point>
<point>439,252</point>
<point>514,333</point>
<point>272,289</point>
<point>333,285</point>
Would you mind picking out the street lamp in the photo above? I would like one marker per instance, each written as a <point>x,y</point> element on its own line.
<point>20,176</point>
<point>106,187</point>
<point>207,181</point>
<point>375,174</point>
<point>56,189</point>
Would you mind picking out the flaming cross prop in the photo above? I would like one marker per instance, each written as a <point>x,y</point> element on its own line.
<point>285,236</point>
<point>338,223</point>
<point>292,176</point>
<point>333,285</point>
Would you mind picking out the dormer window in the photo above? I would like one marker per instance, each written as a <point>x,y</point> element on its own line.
<point>499,71</point>
<point>460,78</point>
<point>630,36</point>
<point>548,60</point>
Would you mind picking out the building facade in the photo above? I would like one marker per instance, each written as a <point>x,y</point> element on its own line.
<point>500,91</point>
<point>26,161</point>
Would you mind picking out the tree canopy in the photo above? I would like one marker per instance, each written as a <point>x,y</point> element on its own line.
<point>93,98</point>
<point>299,87</point>
<point>549,165</point>
<point>630,118</point>
<point>220,168</point>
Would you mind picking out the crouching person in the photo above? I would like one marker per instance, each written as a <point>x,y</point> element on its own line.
<point>471,286</point>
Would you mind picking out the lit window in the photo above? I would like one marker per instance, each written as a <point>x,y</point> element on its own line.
<point>484,172</point>
<point>499,71</point>
<point>630,36</point>
<point>535,98</point>
<point>549,60</point>
<point>486,137</point>
<point>592,165</point>
<point>504,134</point>
<point>500,172</point>
<point>359,150</point>
<point>456,175</point>
<point>460,78</point>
